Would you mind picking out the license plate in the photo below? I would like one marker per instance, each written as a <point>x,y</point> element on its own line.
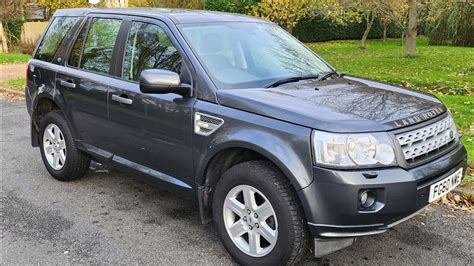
<point>441,188</point>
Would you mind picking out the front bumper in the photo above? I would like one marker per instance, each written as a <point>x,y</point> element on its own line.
<point>331,202</point>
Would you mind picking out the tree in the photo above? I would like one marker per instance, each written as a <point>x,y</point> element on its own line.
<point>116,3</point>
<point>449,22</point>
<point>286,13</point>
<point>192,4</point>
<point>367,11</point>
<point>393,11</point>
<point>11,20</point>
<point>53,5</point>
<point>410,49</point>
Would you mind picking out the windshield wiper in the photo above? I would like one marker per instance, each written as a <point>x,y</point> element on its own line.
<point>292,79</point>
<point>327,75</point>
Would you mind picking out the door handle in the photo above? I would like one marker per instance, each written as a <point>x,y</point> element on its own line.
<point>122,100</point>
<point>68,84</point>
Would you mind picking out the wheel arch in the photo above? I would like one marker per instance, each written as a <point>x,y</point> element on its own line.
<point>229,154</point>
<point>43,104</point>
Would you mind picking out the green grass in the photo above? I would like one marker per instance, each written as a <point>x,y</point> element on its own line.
<point>462,109</point>
<point>14,84</point>
<point>442,70</point>
<point>9,58</point>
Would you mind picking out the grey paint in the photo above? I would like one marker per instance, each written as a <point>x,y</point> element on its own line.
<point>339,105</point>
<point>152,134</point>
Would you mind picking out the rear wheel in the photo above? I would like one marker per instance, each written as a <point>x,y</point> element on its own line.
<point>257,215</point>
<point>63,160</point>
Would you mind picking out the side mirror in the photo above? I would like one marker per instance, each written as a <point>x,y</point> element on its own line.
<point>162,81</point>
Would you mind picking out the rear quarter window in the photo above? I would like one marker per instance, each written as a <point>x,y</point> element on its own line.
<point>56,32</point>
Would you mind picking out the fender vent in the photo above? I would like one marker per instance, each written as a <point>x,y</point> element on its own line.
<point>205,124</point>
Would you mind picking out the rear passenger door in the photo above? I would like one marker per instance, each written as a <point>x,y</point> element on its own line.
<point>84,81</point>
<point>47,57</point>
<point>151,130</point>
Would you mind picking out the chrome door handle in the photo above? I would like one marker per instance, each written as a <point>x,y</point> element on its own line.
<point>67,84</point>
<point>122,99</point>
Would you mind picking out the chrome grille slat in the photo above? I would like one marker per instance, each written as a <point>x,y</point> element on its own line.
<point>427,139</point>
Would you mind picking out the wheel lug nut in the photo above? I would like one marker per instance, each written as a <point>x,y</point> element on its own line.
<point>248,211</point>
<point>255,215</point>
<point>250,227</point>
<point>257,225</point>
<point>245,218</point>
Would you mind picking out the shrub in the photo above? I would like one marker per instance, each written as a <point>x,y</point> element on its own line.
<point>12,29</point>
<point>320,30</point>
<point>237,6</point>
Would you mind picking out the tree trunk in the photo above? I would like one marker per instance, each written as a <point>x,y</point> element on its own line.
<point>3,40</point>
<point>410,49</point>
<point>370,20</point>
<point>116,3</point>
<point>384,32</point>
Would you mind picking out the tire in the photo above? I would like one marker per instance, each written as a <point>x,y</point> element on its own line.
<point>63,160</point>
<point>286,223</point>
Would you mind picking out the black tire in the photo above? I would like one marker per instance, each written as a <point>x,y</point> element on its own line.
<point>76,162</point>
<point>292,241</point>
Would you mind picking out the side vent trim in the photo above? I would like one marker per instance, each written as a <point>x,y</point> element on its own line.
<point>205,124</point>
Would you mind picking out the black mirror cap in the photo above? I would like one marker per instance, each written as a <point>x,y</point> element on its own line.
<point>183,89</point>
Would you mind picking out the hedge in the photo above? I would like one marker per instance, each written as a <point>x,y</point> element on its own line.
<point>320,30</point>
<point>12,29</point>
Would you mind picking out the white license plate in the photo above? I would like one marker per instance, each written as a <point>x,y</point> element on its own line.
<point>441,188</point>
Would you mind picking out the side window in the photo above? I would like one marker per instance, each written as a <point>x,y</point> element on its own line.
<point>53,37</point>
<point>77,48</point>
<point>148,47</point>
<point>99,44</point>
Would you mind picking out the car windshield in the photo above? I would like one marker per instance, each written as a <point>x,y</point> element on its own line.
<point>250,55</point>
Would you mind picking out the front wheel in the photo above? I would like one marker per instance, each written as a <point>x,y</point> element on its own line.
<point>257,215</point>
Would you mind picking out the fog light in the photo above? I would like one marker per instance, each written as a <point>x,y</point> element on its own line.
<point>367,198</point>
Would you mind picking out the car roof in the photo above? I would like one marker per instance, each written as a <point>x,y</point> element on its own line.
<point>178,16</point>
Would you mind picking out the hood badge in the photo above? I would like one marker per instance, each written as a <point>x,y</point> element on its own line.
<point>419,117</point>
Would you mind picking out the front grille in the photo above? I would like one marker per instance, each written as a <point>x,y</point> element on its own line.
<point>426,141</point>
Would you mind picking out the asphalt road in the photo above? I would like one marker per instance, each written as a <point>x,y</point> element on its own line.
<point>110,217</point>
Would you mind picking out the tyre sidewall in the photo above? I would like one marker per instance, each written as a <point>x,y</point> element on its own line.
<point>245,175</point>
<point>57,119</point>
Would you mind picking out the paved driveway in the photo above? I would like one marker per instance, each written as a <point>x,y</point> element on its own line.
<point>115,218</point>
<point>12,71</point>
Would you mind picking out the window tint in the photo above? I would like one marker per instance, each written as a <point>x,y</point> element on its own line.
<point>77,48</point>
<point>148,47</point>
<point>53,37</point>
<point>99,45</point>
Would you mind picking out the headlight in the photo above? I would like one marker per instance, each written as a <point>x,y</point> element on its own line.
<point>353,150</point>
<point>454,128</point>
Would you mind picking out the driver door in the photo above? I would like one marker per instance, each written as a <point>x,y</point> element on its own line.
<point>152,131</point>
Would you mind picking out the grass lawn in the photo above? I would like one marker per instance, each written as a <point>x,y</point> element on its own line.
<point>442,70</point>
<point>14,84</point>
<point>8,58</point>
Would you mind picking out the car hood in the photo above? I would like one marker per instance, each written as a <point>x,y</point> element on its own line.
<point>345,104</point>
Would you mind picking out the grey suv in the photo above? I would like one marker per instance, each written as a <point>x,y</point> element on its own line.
<point>277,148</point>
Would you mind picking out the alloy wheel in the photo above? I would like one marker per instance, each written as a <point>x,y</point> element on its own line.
<point>250,220</point>
<point>54,147</point>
